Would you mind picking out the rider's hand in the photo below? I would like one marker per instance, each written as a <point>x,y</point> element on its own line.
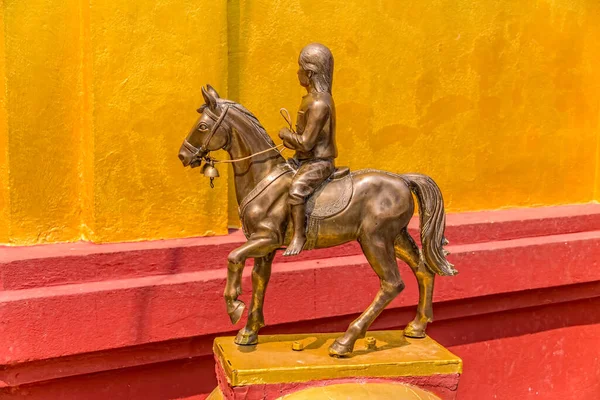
<point>284,132</point>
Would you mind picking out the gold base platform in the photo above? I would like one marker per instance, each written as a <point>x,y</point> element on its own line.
<point>352,391</point>
<point>273,361</point>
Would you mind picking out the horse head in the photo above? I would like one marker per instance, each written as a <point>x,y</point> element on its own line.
<point>209,132</point>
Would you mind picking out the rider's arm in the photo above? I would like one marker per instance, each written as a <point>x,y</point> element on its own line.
<point>315,121</point>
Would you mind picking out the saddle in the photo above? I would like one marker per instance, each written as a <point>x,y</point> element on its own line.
<point>332,196</point>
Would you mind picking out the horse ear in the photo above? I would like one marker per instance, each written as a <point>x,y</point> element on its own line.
<point>212,91</point>
<point>209,99</point>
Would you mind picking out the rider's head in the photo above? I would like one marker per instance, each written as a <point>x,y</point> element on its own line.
<point>316,64</point>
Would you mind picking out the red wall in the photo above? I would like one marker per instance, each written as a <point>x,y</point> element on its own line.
<point>136,320</point>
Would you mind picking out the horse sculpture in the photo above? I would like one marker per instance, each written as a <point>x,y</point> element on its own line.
<point>375,211</point>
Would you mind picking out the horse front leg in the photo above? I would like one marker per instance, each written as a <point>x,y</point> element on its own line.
<point>256,320</point>
<point>256,248</point>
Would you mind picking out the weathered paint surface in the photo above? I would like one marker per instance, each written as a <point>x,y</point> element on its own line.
<point>498,101</point>
<point>4,194</point>
<point>99,96</point>
<point>41,129</point>
<point>149,62</point>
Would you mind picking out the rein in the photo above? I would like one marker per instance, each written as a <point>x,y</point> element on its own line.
<point>286,115</point>
<point>204,147</point>
<point>215,161</point>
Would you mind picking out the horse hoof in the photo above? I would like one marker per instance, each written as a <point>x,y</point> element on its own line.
<point>414,331</point>
<point>340,350</point>
<point>238,310</point>
<point>245,338</point>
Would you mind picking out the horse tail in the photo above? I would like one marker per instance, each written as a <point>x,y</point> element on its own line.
<point>433,222</point>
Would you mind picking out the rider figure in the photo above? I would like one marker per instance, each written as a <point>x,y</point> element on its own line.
<point>314,139</point>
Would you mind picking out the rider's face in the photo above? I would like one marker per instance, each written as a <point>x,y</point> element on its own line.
<point>303,77</point>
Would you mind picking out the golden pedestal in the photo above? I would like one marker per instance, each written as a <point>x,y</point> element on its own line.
<point>272,369</point>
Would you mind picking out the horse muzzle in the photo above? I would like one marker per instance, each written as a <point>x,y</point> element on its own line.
<point>188,158</point>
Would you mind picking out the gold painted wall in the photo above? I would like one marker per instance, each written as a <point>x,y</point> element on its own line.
<point>499,101</point>
<point>42,63</point>
<point>149,61</point>
<point>4,194</point>
<point>99,96</point>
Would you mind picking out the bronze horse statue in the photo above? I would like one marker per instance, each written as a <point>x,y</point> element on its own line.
<point>376,214</point>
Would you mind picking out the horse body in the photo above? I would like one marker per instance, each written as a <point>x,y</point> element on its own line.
<point>390,206</point>
<point>377,216</point>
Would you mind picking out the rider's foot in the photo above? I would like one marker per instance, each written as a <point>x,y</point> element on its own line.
<point>296,246</point>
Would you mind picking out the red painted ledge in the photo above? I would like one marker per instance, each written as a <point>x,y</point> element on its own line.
<point>70,263</point>
<point>73,309</point>
<point>71,319</point>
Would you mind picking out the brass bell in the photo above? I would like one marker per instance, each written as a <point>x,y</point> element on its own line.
<point>210,171</point>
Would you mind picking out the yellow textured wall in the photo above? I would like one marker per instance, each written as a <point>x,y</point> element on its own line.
<point>150,60</point>
<point>4,189</point>
<point>42,63</point>
<point>499,101</point>
<point>99,96</point>
<point>597,171</point>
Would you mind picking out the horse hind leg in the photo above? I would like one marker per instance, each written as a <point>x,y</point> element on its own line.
<point>407,250</point>
<point>381,257</point>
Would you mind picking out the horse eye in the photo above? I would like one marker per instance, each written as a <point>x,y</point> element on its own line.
<point>202,127</point>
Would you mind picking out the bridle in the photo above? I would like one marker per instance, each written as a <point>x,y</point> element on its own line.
<point>196,151</point>
<point>204,147</point>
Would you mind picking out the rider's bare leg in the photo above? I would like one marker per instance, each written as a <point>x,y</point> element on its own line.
<point>299,222</point>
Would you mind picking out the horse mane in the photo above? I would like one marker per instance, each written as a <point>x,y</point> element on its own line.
<point>251,117</point>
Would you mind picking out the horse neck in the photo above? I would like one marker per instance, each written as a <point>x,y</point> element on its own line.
<point>246,140</point>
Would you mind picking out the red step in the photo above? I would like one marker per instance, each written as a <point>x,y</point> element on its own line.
<point>71,309</point>
<point>60,264</point>
<point>70,319</point>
